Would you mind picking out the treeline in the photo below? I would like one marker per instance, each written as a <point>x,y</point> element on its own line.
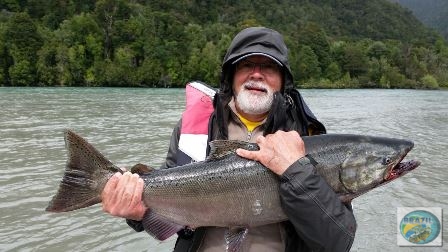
<point>333,44</point>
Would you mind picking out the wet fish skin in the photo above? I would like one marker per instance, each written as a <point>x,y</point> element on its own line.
<point>233,189</point>
<point>227,190</point>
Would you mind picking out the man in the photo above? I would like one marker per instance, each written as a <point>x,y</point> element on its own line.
<point>258,103</point>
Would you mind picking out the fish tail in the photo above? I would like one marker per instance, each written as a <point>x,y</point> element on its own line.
<point>86,173</point>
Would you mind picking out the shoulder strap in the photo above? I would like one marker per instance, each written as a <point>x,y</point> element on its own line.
<point>195,120</point>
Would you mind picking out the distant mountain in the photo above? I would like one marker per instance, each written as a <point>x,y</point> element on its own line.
<point>433,13</point>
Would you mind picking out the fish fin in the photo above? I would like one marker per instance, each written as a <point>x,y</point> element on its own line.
<point>235,238</point>
<point>159,226</point>
<point>141,169</point>
<point>85,176</point>
<point>222,148</point>
<point>344,177</point>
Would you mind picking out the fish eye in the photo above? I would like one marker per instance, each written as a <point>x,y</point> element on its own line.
<point>387,160</point>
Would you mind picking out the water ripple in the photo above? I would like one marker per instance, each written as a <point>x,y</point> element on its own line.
<point>132,126</point>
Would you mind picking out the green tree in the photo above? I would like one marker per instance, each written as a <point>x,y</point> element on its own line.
<point>10,5</point>
<point>21,73</point>
<point>22,38</point>
<point>72,52</point>
<point>210,63</point>
<point>108,12</point>
<point>428,81</point>
<point>150,73</point>
<point>415,68</point>
<point>308,64</point>
<point>168,45</point>
<point>333,72</point>
<point>47,65</point>
<point>196,40</point>
<point>4,64</point>
<point>54,12</point>
<point>314,36</point>
<point>377,68</point>
<point>355,61</point>
<point>392,78</point>
<point>378,50</point>
<point>22,43</point>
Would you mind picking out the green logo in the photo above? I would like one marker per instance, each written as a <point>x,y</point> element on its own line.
<point>420,227</point>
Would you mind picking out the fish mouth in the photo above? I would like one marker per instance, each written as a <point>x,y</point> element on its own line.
<point>401,169</point>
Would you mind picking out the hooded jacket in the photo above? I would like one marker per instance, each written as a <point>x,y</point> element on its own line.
<point>289,111</point>
<point>317,219</point>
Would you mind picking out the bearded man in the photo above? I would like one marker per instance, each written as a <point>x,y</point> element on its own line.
<point>256,102</point>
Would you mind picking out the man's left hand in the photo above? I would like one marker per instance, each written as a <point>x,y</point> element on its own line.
<point>277,151</point>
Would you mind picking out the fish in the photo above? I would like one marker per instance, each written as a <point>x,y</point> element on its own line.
<point>227,190</point>
<point>421,233</point>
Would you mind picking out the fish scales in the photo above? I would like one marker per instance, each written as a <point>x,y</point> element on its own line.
<point>219,191</point>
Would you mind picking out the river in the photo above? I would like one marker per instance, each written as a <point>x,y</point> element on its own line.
<point>134,125</point>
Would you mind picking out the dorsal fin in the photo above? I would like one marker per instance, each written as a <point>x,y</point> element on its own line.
<point>141,169</point>
<point>222,148</point>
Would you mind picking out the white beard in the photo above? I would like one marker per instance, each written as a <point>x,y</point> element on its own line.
<point>255,104</point>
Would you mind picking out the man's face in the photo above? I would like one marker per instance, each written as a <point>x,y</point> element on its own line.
<point>254,83</point>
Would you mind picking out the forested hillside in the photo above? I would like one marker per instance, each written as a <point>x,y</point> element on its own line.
<point>433,13</point>
<point>334,44</point>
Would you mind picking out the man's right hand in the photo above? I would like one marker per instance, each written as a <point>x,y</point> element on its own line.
<point>122,196</point>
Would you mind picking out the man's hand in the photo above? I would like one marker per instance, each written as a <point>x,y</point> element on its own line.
<point>122,196</point>
<point>277,151</point>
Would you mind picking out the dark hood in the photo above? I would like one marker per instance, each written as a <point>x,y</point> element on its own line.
<point>256,40</point>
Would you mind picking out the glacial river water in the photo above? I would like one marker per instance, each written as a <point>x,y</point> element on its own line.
<point>134,125</point>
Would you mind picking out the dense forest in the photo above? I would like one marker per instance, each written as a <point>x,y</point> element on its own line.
<point>433,13</point>
<point>142,43</point>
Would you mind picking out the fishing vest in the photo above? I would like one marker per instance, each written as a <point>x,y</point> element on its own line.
<point>192,147</point>
<point>195,121</point>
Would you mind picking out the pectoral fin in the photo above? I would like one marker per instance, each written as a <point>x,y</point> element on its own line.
<point>158,226</point>
<point>235,238</point>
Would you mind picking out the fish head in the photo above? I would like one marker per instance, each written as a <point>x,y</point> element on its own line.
<point>374,161</point>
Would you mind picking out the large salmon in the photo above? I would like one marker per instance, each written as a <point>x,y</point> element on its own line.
<point>227,190</point>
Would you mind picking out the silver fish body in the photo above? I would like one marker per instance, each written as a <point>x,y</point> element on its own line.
<point>233,191</point>
<point>227,190</point>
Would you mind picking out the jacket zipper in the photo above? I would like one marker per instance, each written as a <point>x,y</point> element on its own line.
<point>249,135</point>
